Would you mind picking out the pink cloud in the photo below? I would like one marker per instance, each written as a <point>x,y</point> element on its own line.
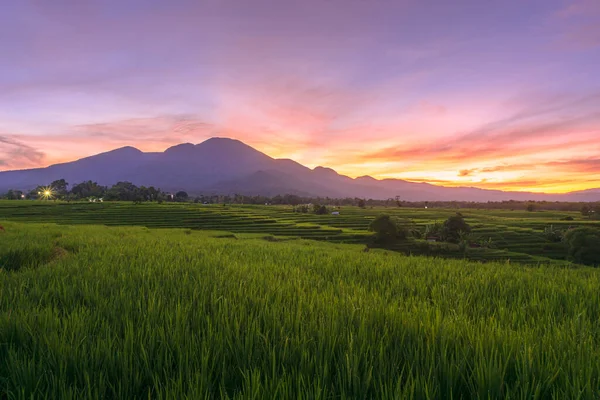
<point>16,154</point>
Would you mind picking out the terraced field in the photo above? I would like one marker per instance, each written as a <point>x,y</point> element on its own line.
<point>516,235</point>
<point>94,312</point>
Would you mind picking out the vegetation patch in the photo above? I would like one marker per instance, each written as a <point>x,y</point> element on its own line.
<point>157,316</point>
<point>30,257</point>
<point>271,238</point>
<point>494,234</point>
<point>226,236</point>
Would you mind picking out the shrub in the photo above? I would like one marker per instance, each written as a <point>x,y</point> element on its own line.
<point>553,235</point>
<point>434,229</point>
<point>320,210</point>
<point>388,229</point>
<point>584,245</point>
<point>454,227</point>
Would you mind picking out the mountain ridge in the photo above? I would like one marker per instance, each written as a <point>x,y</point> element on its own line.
<point>226,166</point>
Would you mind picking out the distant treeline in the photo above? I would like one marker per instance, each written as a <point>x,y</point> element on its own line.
<point>126,191</point>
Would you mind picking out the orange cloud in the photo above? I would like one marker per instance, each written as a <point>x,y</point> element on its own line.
<point>320,123</point>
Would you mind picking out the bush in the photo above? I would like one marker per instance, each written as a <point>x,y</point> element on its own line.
<point>453,228</point>
<point>388,229</point>
<point>301,209</point>
<point>584,245</point>
<point>320,210</point>
<point>434,229</point>
<point>553,235</point>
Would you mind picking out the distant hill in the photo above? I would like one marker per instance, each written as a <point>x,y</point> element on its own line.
<point>227,166</point>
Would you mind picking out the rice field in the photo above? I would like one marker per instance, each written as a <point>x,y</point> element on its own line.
<point>516,235</point>
<point>90,312</point>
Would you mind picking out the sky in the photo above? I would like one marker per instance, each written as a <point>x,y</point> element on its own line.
<point>492,94</point>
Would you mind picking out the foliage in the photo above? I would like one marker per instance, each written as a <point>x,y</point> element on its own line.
<point>13,195</point>
<point>320,209</point>
<point>181,196</point>
<point>87,189</point>
<point>389,229</point>
<point>453,227</point>
<point>59,188</point>
<point>433,229</point>
<point>361,203</point>
<point>595,214</point>
<point>584,245</point>
<point>553,234</point>
<point>515,234</point>
<point>531,207</point>
<point>591,211</point>
<point>124,191</point>
<point>303,208</point>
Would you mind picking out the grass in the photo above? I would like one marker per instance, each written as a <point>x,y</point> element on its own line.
<point>516,235</point>
<point>132,312</point>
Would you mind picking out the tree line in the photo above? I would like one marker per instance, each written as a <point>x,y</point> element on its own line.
<point>127,191</point>
<point>121,191</point>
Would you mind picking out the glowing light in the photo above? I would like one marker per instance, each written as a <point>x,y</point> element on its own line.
<point>46,193</point>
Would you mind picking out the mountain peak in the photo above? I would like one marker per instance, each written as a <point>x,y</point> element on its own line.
<point>230,148</point>
<point>229,165</point>
<point>366,178</point>
<point>221,139</point>
<point>223,143</point>
<point>124,149</point>
<point>325,171</point>
<point>183,147</point>
<point>120,152</point>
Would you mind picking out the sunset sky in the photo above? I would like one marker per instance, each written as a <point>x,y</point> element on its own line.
<point>493,94</point>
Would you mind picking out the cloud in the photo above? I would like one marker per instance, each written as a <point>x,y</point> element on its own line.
<point>590,165</point>
<point>523,134</point>
<point>15,154</point>
<point>168,129</point>
<point>466,172</point>
<point>365,91</point>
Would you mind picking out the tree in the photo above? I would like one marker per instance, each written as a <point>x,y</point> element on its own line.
<point>361,203</point>
<point>87,189</point>
<point>454,227</point>
<point>13,195</point>
<point>584,245</point>
<point>59,188</point>
<point>585,210</point>
<point>321,210</point>
<point>595,213</point>
<point>123,191</point>
<point>32,195</point>
<point>398,202</point>
<point>553,234</point>
<point>388,229</point>
<point>303,208</point>
<point>181,196</point>
<point>530,207</point>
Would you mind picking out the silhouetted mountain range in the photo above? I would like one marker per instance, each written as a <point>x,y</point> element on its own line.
<point>227,166</point>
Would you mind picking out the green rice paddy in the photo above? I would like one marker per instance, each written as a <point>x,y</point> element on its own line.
<point>234,303</point>
<point>516,235</point>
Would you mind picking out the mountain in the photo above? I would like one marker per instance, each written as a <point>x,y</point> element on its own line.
<point>227,166</point>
